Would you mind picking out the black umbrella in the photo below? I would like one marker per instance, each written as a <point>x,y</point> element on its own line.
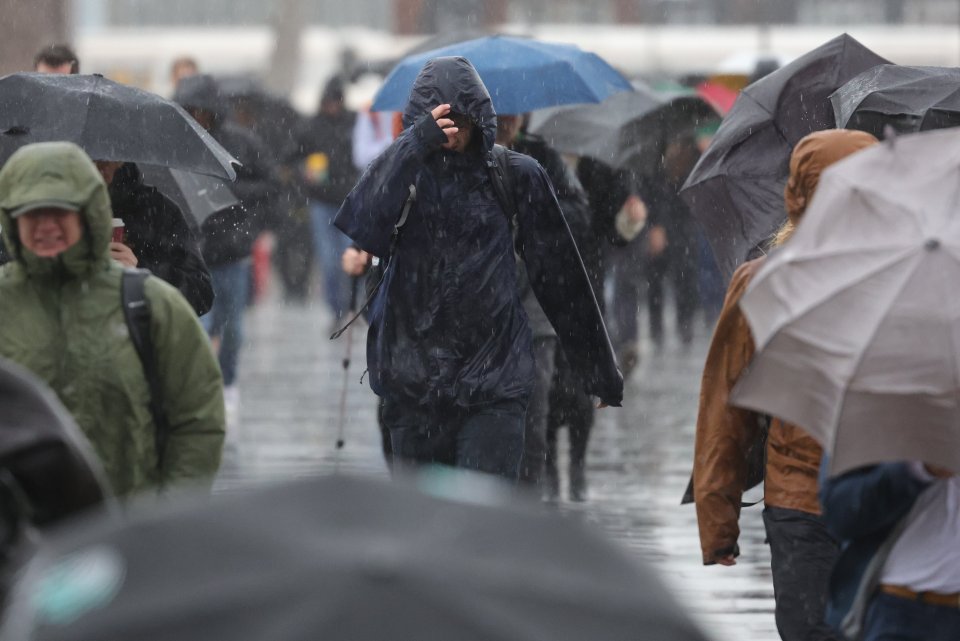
<point>622,127</point>
<point>342,558</point>
<point>736,189</point>
<point>910,99</point>
<point>42,450</point>
<point>108,120</point>
<point>199,195</point>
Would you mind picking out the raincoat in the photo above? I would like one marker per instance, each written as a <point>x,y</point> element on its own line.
<point>63,320</point>
<point>725,434</point>
<point>447,327</point>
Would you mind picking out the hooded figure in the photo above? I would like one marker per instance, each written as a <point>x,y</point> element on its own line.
<point>449,342</point>
<point>63,320</point>
<point>802,550</point>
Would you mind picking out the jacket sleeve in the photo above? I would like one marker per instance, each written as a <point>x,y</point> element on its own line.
<point>176,256</point>
<point>724,433</point>
<point>372,208</point>
<point>192,389</point>
<point>868,500</point>
<point>561,283</point>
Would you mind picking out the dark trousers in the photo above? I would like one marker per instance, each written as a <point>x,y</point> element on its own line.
<point>891,618</point>
<point>802,556</point>
<point>683,272</point>
<point>535,430</point>
<point>486,439</point>
<point>570,406</point>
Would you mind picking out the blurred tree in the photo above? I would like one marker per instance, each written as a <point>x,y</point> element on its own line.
<point>26,26</point>
<point>288,26</point>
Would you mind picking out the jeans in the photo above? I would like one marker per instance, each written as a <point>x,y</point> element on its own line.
<point>802,556</point>
<point>486,439</point>
<point>231,288</point>
<point>890,618</point>
<point>329,244</point>
<point>535,431</point>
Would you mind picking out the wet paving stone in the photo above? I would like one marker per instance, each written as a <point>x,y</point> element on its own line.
<point>292,383</point>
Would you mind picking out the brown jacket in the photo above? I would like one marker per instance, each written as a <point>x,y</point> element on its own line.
<point>725,434</point>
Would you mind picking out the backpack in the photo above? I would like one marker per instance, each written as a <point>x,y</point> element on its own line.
<point>136,313</point>
<point>500,177</point>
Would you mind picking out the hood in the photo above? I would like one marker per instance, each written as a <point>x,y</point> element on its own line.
<point>57,171</point>
<point>811,156</point>
<point>453,80</point>
<point>199,92</point>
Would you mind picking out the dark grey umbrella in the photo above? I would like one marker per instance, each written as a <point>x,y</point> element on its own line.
<point>736,189</point>
<point>342,558</point>
<point>199,195</point>
<point>911,99</point>
<point>110,121</point>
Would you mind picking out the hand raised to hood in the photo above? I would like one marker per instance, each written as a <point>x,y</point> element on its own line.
<point>446,124</point>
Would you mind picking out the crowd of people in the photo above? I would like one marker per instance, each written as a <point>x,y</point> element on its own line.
<point>493,268</point>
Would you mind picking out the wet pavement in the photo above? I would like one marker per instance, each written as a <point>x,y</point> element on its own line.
<point>292,384</point>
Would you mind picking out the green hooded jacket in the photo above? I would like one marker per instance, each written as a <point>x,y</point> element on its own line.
<point>62,318</point>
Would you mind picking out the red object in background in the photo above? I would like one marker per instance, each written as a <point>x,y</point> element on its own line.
<point>262,250</point>
<point>719,97</point>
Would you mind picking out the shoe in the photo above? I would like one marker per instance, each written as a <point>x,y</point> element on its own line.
<point>578,485</point>
<point>551,484</point>
<point>629,359</point>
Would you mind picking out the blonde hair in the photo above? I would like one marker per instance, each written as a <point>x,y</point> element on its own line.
<point>783,234</point>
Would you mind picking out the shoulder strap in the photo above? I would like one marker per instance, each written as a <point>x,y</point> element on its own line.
<point>136,313</point>
<point>499,169</point>
<point>394,238</point>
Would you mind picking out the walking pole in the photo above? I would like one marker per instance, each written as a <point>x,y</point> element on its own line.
<point>341,419</point>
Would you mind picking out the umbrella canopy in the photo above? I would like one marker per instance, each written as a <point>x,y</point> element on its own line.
<point>198,195</point>
<point>909,98</point>
<point>521,74</point>
<point>618,128</point>
<point>43,449</point>
<point>342,558</point>
<point>108,120</point>
<point>856,319</point>
<point>736,189</point>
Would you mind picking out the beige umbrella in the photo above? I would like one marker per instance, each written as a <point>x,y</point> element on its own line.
<point>857,319</point>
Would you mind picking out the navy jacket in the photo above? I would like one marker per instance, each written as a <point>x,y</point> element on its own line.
<point>447,327</point>
<point>865,510</point>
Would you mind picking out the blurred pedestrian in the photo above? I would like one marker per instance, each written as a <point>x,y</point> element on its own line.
<point>729,440</point>
<point>182,67</point>
<point>323,159</point>
<point>56,59</point>
<point>155,235</point>
<point>228,236</point>
<point>449,346</point>
<point>898,574</point>
<point>63,319</point>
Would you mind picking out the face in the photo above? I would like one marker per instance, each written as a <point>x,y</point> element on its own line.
<point>65,68</point>
<point>182,70</point>
<point>108,169</point>
<point>461,139</point>
<point>49,231</point>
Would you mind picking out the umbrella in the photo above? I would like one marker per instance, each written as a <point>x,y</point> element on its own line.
<point>718,96</point>
<point>43,450</point>
<point>197,194</point>
<point>736,189</point>
<point>108,120</point>
<point>856,319</point>
<point>521,74</point>
<point>618,128</point>
<point>909,98</point>
<point>342,558</point>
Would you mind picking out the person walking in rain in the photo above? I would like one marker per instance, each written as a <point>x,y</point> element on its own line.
<point>449,346</point>
<point>60,300</point>
<point>802,550</point>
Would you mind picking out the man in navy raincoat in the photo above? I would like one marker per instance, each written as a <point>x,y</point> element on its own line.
<point>449,346</point>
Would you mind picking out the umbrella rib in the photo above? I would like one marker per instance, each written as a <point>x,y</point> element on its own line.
<point>856,367</point>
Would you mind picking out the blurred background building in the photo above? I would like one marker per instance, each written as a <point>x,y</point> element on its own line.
<point>295,45</point>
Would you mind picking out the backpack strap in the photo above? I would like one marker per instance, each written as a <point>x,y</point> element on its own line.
<point>501,179</point>
<point>394,239</point>
<point>136,313</point>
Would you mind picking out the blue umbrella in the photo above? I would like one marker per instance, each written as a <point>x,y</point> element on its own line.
<point>521,74</point>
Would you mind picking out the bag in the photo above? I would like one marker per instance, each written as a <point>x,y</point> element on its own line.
<point>136,313</point>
